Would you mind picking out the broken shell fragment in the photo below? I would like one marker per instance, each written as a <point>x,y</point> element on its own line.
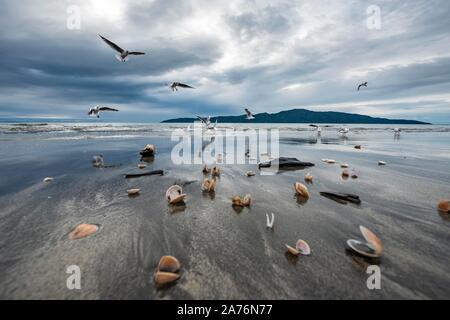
<point>82,231</point>
<point>133,192</point>
<point>175,194</point>
<point>48,179</point>
<point>250,174</point>
<point>344,165</point>
<point>209,185</point>
<point>238,201</point>
<point>141,166</point>
<point>345,174</point>
<point>215,172</point>
<point>381,163</point>
<point>301,190</point>
<point>354,176</point>
<point>329,161</point>
<point>309,178</point>
<point>303,248</point>
<point>444,206</point>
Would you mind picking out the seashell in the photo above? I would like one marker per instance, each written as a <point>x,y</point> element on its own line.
<point>82,231</point>
<point>206,169</point>
<point>344,165</point>
<point>250,174</point>
<point>133,192</point>
<point>175,194</point>
<point>141,166</point>
<point>246,202</point>
<point>372,248</point>
<point>291,250</point>
<point>301,190</point>
<point>330,161</point>
<point>354,176</point>
<point>309,178</point>
<point>381,163</point>
<point>270,220</point>
<point>215,172</point>
<point>163,278</point>
<point>48,179</point>
<point>209,185</point>
<point>303,248</point>
<point>345,174</point>
<point>444,206</point>
<point>168,264</point>
<point>148,151</point>
<point>358,147</point>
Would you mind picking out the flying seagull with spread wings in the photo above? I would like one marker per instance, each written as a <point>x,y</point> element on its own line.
<point>362,85</point>
<point>123,54</point>
<point>175,85</point>
<point>250,115</point>
<point>95,111</point>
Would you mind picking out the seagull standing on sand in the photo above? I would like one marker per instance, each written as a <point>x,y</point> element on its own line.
<point>175,85</point>
<point>95,111</point>
<point>344,131</point>
<point>317,128</point>
<point>250,115</point>
<point>362,85</point>
<point>123,54</point>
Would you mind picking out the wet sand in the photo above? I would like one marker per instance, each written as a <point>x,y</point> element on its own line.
<point>225,253</point>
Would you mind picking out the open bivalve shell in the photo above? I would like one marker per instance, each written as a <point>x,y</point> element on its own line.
<point>372,248</point>
<point>238,201</point>
<point>301,248</point>
<point>444,206</point>
<point>175,194</point>
<point>301,190</point>
<point>209,185</point>
<point>167,271</point>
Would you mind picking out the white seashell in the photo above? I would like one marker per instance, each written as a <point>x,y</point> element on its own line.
<point>48,179</point>
<point>303,248</point>
<point>133,192</point>
<point>381,163</point>
<point>344,166</point>
<point>270,221</point>
<point>291,250</point>
<point>250,174</point>
<point>141,166</point>
<point>175,194</point>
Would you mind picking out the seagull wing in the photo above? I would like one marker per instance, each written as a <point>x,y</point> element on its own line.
<point>91,112</point>
<point>107,109</point>
<point>202,119</point>
<point>248,112</point>
<point>313,125</point>
<point>112,45</point>
<point>185,86</point>
<point>136,53</point>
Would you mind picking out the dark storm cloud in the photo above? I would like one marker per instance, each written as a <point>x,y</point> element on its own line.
<point>270,55</point>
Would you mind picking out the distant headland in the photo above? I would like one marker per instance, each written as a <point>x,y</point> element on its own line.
<point>303,116</point>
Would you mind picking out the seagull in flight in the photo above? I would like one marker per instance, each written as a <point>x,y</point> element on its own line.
<point>175,85</point>
<point>95,111</point>
<point>250,115</point>
<point>123,54</point>
<point>362,85</point>
<point>207,122</point>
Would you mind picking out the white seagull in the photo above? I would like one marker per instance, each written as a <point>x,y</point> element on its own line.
<point>397,131</point>
<point>95,111</point>
<point>344,131</point>
<point>207,122</point>
<point>175,85</point>
<point>123,54</point>
<point>317,128</point>
<point>250,115</point>
<point>269,221</point>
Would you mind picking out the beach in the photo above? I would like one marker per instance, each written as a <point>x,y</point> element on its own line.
<point>225,253</point>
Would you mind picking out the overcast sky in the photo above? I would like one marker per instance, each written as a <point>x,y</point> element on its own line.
<point>265,55</point>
